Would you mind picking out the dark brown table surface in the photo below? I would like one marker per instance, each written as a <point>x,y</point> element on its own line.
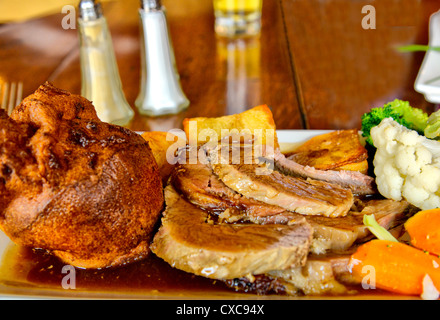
<point>313,64</point>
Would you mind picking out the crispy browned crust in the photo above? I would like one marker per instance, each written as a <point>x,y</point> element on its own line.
<point>86,190</point>
<point>254,120</point>
<point>333,150</point>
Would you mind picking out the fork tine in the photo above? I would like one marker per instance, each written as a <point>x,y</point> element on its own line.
<point>5,95</point>
<point>11,98</point>
<point>19,93</point>
<point>18,97</point>
<point>12,95</point>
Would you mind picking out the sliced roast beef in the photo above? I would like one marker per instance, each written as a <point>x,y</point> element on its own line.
<point>302,234</point>
<point>306,197</point>
<point>242,171</point>
<point>187,241</point>
<point>203,188</point>
<point>357,182</point>
<point>339,234</point>
<point>321,275</point>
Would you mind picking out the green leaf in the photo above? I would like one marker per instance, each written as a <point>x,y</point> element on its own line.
<point>380,232</point>
<point>417,47</point>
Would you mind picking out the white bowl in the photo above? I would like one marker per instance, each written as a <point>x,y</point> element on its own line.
<point>428,79</point>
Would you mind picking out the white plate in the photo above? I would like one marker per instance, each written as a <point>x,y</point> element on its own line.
<point>28,290</point>
<point>428,79</point>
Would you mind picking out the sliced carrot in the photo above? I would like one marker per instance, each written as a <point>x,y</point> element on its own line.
<point>394,266</point>
<point>424,230</point>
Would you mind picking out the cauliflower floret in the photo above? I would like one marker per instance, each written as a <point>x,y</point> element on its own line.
<point>428,179</point>
<point>414,195</point>
<point>406,165</point>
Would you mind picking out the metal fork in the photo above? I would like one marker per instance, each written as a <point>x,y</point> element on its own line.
<point>12,95</point>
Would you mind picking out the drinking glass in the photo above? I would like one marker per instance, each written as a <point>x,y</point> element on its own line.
<point>237,17</point>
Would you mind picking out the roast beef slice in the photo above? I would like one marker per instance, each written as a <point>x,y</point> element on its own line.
<point>225,251</point>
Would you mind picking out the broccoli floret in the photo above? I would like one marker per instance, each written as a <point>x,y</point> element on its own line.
<point>412,118</point>
<point>432,130</point>
<point>415,117</point>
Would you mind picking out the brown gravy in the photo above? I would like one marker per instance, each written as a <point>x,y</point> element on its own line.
<point>151,277</point>
<point>24,267</point>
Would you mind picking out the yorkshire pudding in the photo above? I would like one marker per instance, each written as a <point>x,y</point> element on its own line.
<point>88,191</point>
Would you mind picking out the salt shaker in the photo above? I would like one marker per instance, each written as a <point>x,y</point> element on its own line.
<point>99,71</point>
<point>160,90</point>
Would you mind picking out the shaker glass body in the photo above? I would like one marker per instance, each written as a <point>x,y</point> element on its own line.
<point>99,73</point>
<point>160,90</point>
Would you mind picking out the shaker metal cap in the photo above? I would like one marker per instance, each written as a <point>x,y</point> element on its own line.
<point>151,5</point>
<point>90,10</point>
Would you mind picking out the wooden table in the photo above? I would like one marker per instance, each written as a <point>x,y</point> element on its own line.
<point>313,64</point>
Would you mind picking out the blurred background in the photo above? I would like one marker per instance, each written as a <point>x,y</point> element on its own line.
<point>312,62</point>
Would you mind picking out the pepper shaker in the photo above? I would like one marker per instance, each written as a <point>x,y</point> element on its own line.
<point>160,90</point>
<point>100,80</point>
